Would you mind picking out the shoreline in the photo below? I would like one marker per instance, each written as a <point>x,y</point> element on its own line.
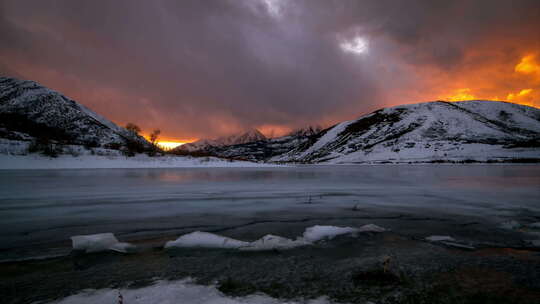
<point>347,268</point>
<point>65,161</point>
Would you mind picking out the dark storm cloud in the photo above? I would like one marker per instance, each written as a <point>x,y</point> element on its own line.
<point>205,68</point>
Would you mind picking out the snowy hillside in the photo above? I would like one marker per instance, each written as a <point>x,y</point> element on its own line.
<point>205,144</point>
<point>434,131</point>
<point>29,110</point>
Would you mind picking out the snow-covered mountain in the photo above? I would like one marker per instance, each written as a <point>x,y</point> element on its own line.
<point>29,110</point>
<point>263,150</point>
<point>205,144</point>
<point>433,131</point>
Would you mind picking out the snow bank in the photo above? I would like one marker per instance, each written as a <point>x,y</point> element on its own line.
<point>34,161</point>
<point>268,242</point>
<point>206,240</point>
<point>439,238</point>
<point>99,242</point>
<point>169,292</point>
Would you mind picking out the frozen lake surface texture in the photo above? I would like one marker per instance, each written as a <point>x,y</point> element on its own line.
<point>41,209</point>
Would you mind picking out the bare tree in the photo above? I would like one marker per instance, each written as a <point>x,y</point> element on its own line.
<point>133,128</point>
<point>154,136</point>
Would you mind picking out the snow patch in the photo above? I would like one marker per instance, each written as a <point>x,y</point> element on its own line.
<point>169,292</point>
<point>99,242</point>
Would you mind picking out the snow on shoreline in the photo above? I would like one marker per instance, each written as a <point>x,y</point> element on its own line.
<point>102,162</point>
<point>311,235</point>
<point>198,239</point>
<point>182,291</point>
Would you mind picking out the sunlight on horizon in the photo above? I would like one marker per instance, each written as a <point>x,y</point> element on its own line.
<point>168,145</point>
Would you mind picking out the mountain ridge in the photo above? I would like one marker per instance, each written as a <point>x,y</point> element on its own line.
<point>393,133</point>
<point>29,111</point>
<point>252,135</point>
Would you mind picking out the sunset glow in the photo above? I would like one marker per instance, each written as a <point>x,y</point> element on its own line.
<point>528,65</point>
<point>459,95</point>
<point>168,145</point>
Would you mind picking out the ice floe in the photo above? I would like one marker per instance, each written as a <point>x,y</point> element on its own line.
<point>206,240</point>
<point>371,228</point>
<point>268,242</point>
<point>99,242</point>
<point>317,233</point>
<point>183,291</point>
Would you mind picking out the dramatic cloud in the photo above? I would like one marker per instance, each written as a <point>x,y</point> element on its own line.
<point>209,68</point>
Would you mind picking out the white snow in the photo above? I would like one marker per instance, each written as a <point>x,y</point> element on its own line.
<point>471,130</point>
<point>99,242</point>
<point>206,240</point>
<point>317,233</point>
<point>173,292</point>
<point>328,137</point>
<point>34,161</point>
<point>439,238</point>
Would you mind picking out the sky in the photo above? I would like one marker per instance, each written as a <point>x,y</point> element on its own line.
<point>203,69</point>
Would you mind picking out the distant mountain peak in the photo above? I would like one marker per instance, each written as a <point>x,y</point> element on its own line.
<point>252,135</point>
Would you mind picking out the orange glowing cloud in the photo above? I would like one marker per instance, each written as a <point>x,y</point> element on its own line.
<point>528,65</point>
<point>458,95</point>
<point>524,97</point>
<point>492,79</point>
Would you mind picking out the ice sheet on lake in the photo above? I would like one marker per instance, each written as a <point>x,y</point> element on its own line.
<point>99,242</point>
<point>183,291</point>
<point>206,240</point>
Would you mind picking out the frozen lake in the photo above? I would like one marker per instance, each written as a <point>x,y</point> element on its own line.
<point>43,207</point>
